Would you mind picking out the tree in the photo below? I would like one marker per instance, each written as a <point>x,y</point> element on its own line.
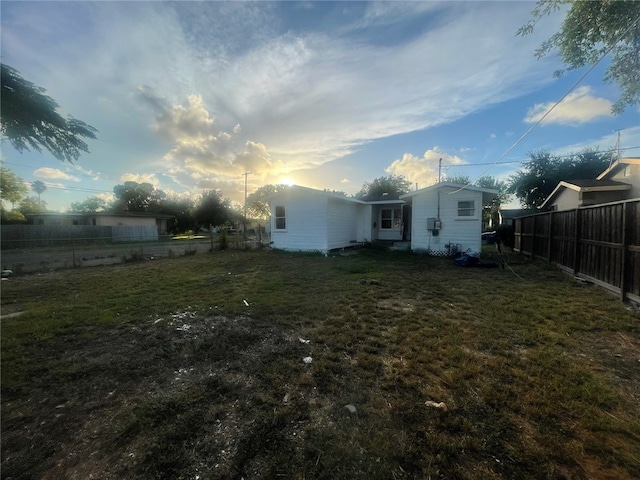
<point>212,209</point>
<point>257,205</point>
<point>182,210</point>
<point>591,29</point>
<point>543,172</point>
<point>39,187</point>
<point>29,120</point>
<point>137,197</point>
<point>459,179</point>
<point>12,187</point>
<point>32,205</point>
<point>391,185</point>
<point>90,205</point>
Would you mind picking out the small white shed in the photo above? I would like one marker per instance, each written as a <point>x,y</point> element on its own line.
<point>447,217</point>
<point>305,219</point>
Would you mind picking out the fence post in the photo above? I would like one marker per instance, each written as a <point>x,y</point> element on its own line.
<point>550,230</point>
<point>625,242</point>
<point>533,236</point>
<point>576,243</point>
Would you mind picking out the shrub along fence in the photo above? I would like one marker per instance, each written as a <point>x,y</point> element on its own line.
<point>600,243</point>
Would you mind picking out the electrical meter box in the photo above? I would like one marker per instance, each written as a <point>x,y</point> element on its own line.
<point>434,225</point>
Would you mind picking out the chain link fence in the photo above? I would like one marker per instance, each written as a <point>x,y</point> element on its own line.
<point>78,253</point>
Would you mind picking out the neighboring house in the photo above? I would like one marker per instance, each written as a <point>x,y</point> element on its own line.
<point>506,215</point>
<point>307,219</point>
<point>618,182</point>
<point>103,219</point>
<point>447,217</point>
<point>625,170</point>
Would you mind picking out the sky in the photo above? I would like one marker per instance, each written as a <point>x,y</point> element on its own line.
<point>190,96</point>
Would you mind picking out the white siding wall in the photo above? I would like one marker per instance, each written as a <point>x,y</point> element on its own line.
<point>466,232</point>
<point>379,233</point>
<point>567,199</point>
<point>306,221</point>
<point>342,229</point>
<point>364,223</point>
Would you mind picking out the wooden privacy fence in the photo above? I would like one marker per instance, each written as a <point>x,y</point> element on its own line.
<point>600,243</point>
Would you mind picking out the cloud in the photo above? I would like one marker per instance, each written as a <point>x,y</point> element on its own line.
<point>345,180</point>
<point>54,173</point>
<point>578,107</point>
<point>236,85</point>
<point>493,135</point>
<point>140,178</point>
<point>422,170</point>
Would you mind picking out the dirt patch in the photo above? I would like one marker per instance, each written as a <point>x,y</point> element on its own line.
<point>99,396</point>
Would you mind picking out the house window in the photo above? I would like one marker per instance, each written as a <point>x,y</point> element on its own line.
<point>466,208</point>
<point>391,218</point>
<point>281,221</point>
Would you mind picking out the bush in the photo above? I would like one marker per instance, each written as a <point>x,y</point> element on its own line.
<point>223,241</point>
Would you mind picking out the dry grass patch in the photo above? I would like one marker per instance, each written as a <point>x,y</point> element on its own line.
<point>194,367</point>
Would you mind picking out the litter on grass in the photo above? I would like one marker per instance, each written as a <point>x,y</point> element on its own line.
<point>302,340</point>
<point>307,360</point>
<point>441,405</point>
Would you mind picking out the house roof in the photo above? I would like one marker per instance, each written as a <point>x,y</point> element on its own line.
<point>383,199</point>
<point>513,212</point>
<point>619,163</point>
<point>487,194</point>
<point>586,185</point>
<point>300,188</point>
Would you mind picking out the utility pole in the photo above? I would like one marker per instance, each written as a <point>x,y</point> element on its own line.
<point>617,147</point>
<point>439,169</point>
<point>244,217</point>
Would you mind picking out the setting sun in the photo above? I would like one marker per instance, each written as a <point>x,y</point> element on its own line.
<point>287,181</point>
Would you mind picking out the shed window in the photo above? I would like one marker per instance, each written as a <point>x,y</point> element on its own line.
<point>466,208</point>
<point>281,221</point>
<point>391,218</point>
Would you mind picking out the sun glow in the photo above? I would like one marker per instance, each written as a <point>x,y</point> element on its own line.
<point>287,181</point>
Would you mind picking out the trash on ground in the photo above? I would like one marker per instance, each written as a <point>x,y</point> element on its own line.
<point>440,405</point>
<point>246,303</point>
<point>307,360</point>
<point>302,340</point>
<point>352,409</point>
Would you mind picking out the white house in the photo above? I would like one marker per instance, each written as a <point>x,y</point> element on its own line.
<point>306,219</point>
<point>447,218</point>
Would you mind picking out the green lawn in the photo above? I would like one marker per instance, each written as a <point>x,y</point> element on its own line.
<point>193,367</point>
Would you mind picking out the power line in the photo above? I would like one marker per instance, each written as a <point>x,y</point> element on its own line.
<point>568,155</point>
<point>573,87</point>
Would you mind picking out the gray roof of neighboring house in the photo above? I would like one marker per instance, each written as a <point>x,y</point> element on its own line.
<point>590,183</point>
